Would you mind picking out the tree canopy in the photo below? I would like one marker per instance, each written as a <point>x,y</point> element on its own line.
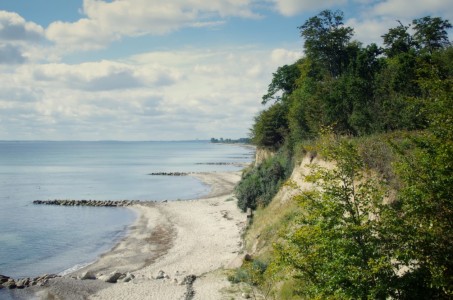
<point>354,88</point>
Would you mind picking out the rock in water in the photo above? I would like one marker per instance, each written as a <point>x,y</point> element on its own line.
<point>3,278</point>
<point>10,284</point>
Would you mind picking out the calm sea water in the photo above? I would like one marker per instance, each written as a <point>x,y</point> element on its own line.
<point>37,239</point>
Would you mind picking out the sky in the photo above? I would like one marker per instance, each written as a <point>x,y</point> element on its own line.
<point>159,69</point>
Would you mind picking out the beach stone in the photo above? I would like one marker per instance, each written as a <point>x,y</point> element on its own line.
<point>161,275</point>
<point>21,283</point>
<point>87,276</point>
<point>47,276</point>
<point>127,277</point>
<point>10,284</point>
<point>248,257</point>
<point>3,278</point>
<point>189,280</point>
<point>111,278</point>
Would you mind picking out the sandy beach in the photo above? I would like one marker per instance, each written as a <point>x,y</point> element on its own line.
<point>174,250</point>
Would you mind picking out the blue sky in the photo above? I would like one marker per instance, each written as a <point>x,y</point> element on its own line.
<point>159,69</point>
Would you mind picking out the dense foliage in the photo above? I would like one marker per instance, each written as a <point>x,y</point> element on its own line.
<point>348,243</point>
<point>379,224</point>
<point>260,184</point>
<point>356,89</point>
<point>336,243</point>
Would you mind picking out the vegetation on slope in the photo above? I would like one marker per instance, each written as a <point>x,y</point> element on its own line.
<point>379,224</point>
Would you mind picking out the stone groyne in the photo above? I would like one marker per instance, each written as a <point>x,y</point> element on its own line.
<point>170,174</point>
<point>11,283</point>
<point>96,203</point>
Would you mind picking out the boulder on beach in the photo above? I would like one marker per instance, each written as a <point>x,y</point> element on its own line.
<point>127,277</point>
<point>161,275</point>
<point>87,276</point>
<point>111,278</point>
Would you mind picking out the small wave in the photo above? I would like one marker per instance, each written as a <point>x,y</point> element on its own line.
<point>75,268</point>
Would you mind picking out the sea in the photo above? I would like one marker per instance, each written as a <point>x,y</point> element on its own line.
<point>40,239</point>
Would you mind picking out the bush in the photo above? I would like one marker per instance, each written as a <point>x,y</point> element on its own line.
<point>259,185</point>
<point>336,246</point>
<point>251,272</point>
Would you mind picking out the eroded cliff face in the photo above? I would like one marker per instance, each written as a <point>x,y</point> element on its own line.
<point>267,221</point>
<point>262,154</point>
<point>301,169</point>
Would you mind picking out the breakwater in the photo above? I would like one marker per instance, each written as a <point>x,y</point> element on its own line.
<point>170,173</point>
<point>96,203</point>
<point>11,283</point>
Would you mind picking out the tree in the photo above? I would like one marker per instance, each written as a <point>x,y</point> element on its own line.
<point>304,115</point>
<point>398,40</point>
<point>284,81</point>
<point>361,88</point>
<point>426,198</point>
<point>270,127</point>
<point>431,33</point>
<point>326,41</point>
<point>336,245</point>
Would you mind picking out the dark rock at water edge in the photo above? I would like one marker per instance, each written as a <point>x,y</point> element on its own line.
<point>11,283</point>
<point>3,279</point>
<point>21,283</point>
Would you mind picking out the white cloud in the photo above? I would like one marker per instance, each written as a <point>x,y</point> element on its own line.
<point>373,18</point>
<point>414,8</point>
<point>106,21</point>
<point>18,38</point>
<point>14,28</point>
<point>104,75</point>
<point>377,18</point>
<point>370,30</point>
<point>84,34</point>
<point>187,94</point>
<point>294,7</point>
<point>283,56</point>
<point>11,54</point>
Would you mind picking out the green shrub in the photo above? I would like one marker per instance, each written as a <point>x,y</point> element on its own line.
<point>251,272</point>
<point>259,185</point>
<point>336,246</point>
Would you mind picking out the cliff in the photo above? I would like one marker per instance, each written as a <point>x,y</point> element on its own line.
<point>267,221</point>
<point>262,154</point>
